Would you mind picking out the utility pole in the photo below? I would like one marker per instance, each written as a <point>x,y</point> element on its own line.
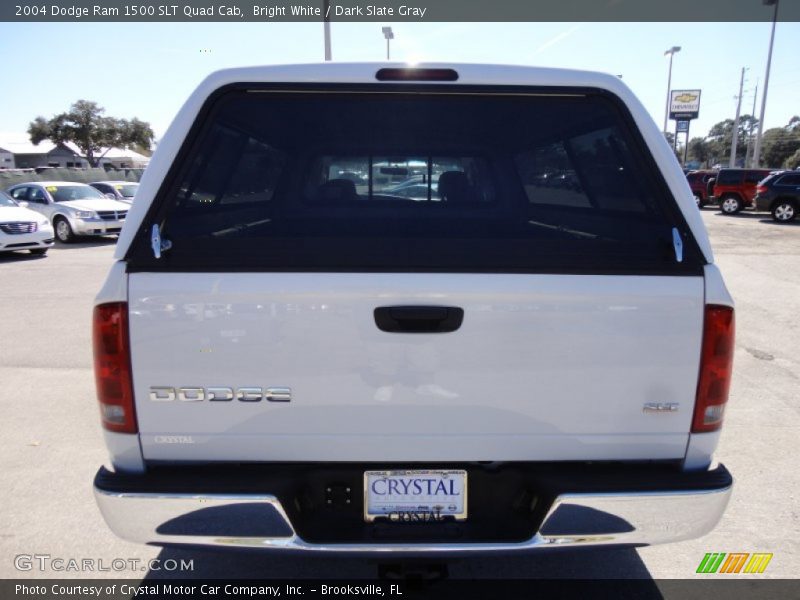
<point>735,133</point>
<point>757,150</point>
<point>326,7</point>
<point>750,133</point>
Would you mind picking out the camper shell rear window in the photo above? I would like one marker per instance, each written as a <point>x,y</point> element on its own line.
<point>415,179</point>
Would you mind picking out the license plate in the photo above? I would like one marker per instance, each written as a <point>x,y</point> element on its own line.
<point>415,496</point>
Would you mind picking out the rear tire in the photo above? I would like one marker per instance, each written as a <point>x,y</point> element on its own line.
<point>784,211</point>
<point>730,204</point>
<point>63,229</point>
<point>39,251</point>
<point>699,200</point>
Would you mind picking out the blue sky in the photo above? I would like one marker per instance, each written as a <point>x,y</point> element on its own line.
<point>148,70</point>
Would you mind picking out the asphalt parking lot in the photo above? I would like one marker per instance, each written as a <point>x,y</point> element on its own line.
<point>52,441</point>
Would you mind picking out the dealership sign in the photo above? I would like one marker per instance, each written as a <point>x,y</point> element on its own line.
<point>684,104</point>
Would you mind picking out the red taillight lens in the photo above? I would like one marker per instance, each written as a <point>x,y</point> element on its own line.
<point>761,189</point>
<point>716,362</point>
<point>112,367</point>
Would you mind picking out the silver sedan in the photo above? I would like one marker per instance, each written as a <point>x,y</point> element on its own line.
<point>74,209</point>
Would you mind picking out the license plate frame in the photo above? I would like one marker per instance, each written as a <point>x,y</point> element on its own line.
<point>455,510</point>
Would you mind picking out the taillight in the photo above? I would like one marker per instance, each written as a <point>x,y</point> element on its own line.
<point>716,362</point>
<point>761,189</point>
<point>414,74</point>
<point>112,367</point>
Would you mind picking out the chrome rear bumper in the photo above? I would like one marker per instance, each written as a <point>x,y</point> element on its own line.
<point>585,519</point>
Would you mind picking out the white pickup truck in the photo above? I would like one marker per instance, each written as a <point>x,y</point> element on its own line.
<point>430,309</point>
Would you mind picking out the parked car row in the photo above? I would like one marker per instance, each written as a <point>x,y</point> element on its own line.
<point>734,190</point>
<point>34,214</point>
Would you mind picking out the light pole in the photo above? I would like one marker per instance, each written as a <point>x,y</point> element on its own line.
<point>757,148</point>
<point>326,8</point>
<point>671,53</point>
<point>389,35</point>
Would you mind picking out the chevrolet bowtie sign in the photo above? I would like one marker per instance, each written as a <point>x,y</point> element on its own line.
<point>686,98</point>
<point>684,104</point>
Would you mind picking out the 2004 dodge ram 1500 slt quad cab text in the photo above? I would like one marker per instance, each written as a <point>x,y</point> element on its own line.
<point>440,309</point>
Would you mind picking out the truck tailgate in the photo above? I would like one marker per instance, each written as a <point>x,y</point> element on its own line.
<point>543,367</point>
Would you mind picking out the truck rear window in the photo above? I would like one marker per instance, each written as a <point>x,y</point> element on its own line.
<point>391,180</point>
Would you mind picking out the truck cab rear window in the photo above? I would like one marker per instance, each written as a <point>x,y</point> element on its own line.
<point>397,181</point>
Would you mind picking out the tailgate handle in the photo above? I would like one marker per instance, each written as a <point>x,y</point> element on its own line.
<point>418,319</point>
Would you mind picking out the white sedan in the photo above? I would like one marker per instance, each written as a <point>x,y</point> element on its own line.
<point>23,229</point>
<point>74,209</point>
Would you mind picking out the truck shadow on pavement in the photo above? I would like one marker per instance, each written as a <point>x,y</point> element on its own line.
<point>585,563</point>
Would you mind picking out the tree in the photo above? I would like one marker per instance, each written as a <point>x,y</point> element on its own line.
<point>698,150</point>
<point>86,126</point>
<point>793,162</point>
<point>721,135</point>
<point>780,143</point>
